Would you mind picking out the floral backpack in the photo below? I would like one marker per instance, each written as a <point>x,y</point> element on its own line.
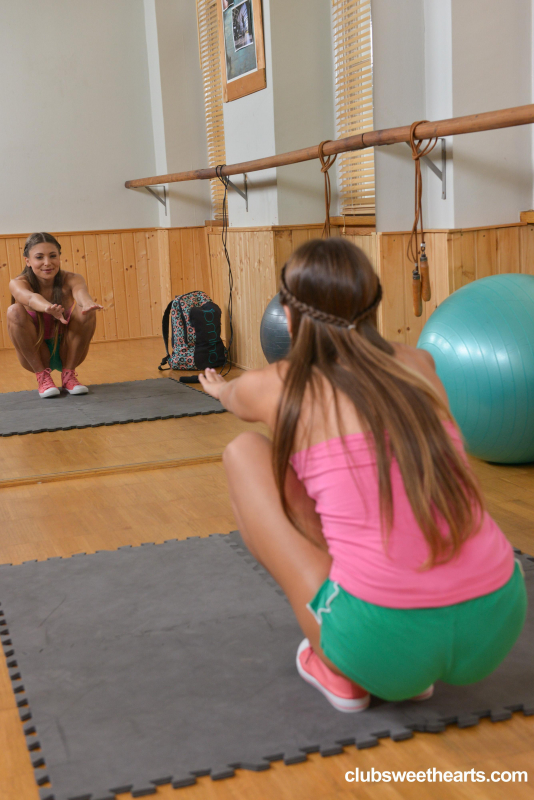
<point>195,333</point>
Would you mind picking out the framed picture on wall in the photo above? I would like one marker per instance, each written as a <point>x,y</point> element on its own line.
<point>242,49</point>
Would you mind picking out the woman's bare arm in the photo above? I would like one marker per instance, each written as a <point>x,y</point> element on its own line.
<point>80,292</point>
<point>252,397</point>
<point>23,293</point>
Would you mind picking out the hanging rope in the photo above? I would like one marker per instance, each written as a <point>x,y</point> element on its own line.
<point>326,163</point>
<point>225,180</point>
<point>417,252</point>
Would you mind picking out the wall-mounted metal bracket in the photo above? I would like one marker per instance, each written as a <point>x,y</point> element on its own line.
<point>441,173</point>
<point>162,200</point>
<point>244,194</point>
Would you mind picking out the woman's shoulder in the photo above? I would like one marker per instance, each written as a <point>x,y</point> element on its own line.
<point>71,277</point>
<point>267,379</point>
<point>420,361</point>
<point>413,355</point>
<point>19,284</point>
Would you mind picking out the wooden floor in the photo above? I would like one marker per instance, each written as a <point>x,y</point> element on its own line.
<point>92,451</point>
<point>80,491</point>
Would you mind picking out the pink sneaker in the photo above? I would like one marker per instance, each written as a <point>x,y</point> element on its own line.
<point>70,382</point>
<point>342,693</point>
<point>45,384</point>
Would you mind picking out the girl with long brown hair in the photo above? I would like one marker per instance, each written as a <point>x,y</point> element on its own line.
<point>52,317</point>
<point>363,508</point>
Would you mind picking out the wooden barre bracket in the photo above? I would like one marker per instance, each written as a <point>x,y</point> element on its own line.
<point>488,121</point>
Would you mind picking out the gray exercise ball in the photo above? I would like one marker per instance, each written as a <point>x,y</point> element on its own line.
<point>274,336</point>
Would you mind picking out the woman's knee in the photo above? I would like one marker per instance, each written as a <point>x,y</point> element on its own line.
<point>17,314</point>
<point>86,322</point>
<point>248,445</point>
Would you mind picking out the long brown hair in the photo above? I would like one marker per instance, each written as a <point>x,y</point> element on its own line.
<point>57,287</point>
<point>332,293</point>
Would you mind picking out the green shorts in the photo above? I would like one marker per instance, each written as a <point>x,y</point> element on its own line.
<point>55,360</point>
<point>397,653</point>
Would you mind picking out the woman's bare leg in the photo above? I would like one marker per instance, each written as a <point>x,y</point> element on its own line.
<point>298,563</point>
<point>23,334</point>
<point>77,338</point>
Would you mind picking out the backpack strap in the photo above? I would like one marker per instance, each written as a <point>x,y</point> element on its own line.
<point>184,320</point>
<point>165,334</point>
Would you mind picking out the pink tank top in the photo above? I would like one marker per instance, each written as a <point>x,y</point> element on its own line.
<point>49,321</point>
<point>347,500</point>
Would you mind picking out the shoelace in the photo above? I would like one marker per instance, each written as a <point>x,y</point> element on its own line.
<point>44,379</point>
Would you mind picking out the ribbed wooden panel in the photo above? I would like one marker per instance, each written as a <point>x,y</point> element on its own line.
<point>128,272</point>
<point>456,258</point>
<point>252,254</point>
<point>210,64</point>
<point>288,239</point>
<point>398,321</point>
<point>257,255</point>
<point>189,261</point>
<point>478,253</point>
<point>353,71</point>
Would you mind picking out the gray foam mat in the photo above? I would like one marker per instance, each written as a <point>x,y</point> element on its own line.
<point>106,404</point>
<point>161,663</point>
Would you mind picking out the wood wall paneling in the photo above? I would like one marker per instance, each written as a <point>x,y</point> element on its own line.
<point>120,305</point>
<point>481,252</point>
<point>135,273</point>
<point>508,250</point>
<point>130,282</point>
<point>393,276</point>
<point>94,282</point>
<point>526,235</point>
<point>143,286</point>
<point>189,261</point>
<point>439,272</point>
<point>257,256</point>
<point>130,272</point>
<point>5,295</point>
<point>156,311</point>
<point>164,269</point>
<point>109,320</point>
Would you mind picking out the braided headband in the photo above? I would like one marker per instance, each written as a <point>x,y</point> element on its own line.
<point>322,316</point>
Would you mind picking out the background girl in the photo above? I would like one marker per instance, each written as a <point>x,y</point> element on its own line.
<point>364,508</point>
<point>52,318</point>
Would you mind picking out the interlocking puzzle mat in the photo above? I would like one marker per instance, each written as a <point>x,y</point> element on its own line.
<point>106,404</point>
<point>162,663</point>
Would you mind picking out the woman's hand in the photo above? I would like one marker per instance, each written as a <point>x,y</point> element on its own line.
<point>212,382</point>
<point>91,307</point>
<point>56,311</point>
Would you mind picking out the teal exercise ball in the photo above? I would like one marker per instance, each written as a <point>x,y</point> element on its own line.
<point>482,340</point>
<point>274,335</point>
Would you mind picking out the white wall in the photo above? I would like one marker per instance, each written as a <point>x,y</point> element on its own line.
<point>249,133</point>
<point>93,93</point>
<point>295,110</point>
<point>399,99</point>
<point>75,122</point>
<point>439,213</point>
<point>183,112</point>
<point>435,59</point>
<point>491,69</point>
<point>303,104</point>
<point>156,101</point>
